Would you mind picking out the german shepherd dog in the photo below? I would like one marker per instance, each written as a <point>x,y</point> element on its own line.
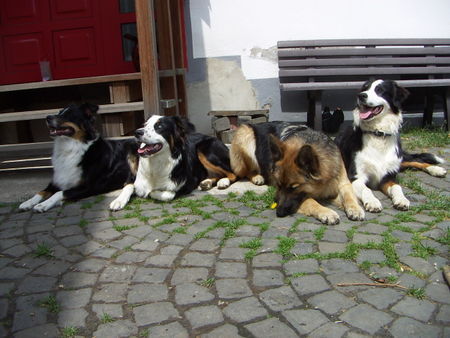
<point>84,164</point>
<point>372,150</point>
<point>303,165</point>
<point>174,160</point>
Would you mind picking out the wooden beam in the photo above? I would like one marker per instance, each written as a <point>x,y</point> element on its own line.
<point>148,60</point>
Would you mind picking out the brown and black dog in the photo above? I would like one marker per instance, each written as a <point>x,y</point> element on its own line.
<point>303,165</point>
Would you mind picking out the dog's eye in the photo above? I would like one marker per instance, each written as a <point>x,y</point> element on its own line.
<point>158,126</point>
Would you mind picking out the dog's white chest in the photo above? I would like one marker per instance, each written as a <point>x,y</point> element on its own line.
<point>378,157</point>
<point>66,158</point>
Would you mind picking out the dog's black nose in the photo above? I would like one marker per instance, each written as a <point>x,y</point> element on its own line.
<point>362,96</point>
<point>50,118</point>
<point>139,132</point>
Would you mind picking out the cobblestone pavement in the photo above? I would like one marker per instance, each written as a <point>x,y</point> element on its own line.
<point>225,266</point>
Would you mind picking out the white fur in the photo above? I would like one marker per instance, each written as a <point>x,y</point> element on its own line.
<point>399,200</point>
<point>123,198</point>
<point>368,199</point>
<point>28,204</point>
<point>435,170</point>
<point>55,200</point>
<point>223,183</point>
<point>377,157</point>
<point>66,159</point>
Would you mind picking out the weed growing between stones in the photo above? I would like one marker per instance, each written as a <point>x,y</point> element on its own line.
<point>50,304</point>
<point>43,250</point>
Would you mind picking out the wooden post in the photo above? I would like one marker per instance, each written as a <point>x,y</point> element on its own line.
<point>148,59</point>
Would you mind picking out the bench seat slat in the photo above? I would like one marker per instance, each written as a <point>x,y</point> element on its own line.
<point>362,42</point>
<point>298,52</point>
<point>363,71</point>
<point>358,84</point>
<point>365,61</point>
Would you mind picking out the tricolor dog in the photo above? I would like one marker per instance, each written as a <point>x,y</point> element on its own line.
<point>84,164</point>
<point>372,150</point>
<point>174,160</point>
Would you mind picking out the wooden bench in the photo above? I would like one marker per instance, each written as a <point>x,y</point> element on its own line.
<point>317,65</point>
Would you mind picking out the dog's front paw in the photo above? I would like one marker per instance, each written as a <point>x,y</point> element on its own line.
<point>206,184</point>
<point>161,195</point>
<point>257,180</point>
<point>355,213</point>
<point>401,203</point>
<point>41,207</point>
<point>142,191</point>
<point>373,205</point>
<point>223,183</point>
<point>329,217</point>
<point>118,204</point>
<point>437,171</point>
<point>27,205</point>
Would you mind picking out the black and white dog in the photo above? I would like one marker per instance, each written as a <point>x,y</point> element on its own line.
<point>84,164</point>
<point>175,160</point>
<point>371,148</point>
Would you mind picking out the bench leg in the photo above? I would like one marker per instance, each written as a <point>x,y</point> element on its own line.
<point>315,110</point>
<point>447,108</point>
<point>429,106</point>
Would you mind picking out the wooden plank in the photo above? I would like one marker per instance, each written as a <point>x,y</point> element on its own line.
<point>297,52</point>
<point>41,114</point>
<point>357,84</point>
<point>145,23</point>
<point>363,71</point>
<point>361,42</point>
<point>71,82</point>
<point>364,61</point>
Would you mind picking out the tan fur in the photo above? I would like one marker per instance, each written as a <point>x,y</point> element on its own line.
<point>45,194</point>
<point>79,134</point>
<point>415,165</point>
<point>133,162</point>
<point>242,155</point>
<point>215,172</point>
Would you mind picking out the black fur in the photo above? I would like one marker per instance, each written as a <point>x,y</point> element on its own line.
<point>262,133</point>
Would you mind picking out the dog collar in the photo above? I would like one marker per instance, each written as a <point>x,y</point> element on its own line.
<point>377,133</point>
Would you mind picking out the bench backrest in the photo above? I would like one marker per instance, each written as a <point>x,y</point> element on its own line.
<point>307,61</point>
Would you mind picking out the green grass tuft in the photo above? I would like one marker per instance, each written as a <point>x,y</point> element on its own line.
<point>50,304</point>
<point>69,332</point>
<point>285,246</point>
<point>255,243</point>
<point>208,282</point>
<point>106,318</point>
<point>419,293</point>
<point>43,250</point>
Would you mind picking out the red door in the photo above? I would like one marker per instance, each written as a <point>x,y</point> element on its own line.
<point>78,37</point>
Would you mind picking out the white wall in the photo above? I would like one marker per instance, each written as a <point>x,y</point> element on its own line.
<point>250,29</point>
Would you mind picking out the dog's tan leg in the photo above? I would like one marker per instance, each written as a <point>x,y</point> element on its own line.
<point>433,170</point>
<point>219,175</point>
<point>310,207</point>
<point>395,193</point>
<point>347,198</point>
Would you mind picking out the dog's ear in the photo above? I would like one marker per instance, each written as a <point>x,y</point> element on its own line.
<point>276,148</point>
<point>400,95</point>
<point>308,161</point>
<point>89,110</point>
<point>180,129</point>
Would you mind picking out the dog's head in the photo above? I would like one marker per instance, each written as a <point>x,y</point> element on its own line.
<point>378,99</point>
<point>162,133</point>
<point>296,171</point>
<point>77,122</point>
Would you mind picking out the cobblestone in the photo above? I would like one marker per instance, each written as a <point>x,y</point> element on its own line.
<point>154,281</point>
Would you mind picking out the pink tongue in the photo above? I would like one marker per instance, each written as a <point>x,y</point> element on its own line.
<point>365,114</point>
<point>143,150</point>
